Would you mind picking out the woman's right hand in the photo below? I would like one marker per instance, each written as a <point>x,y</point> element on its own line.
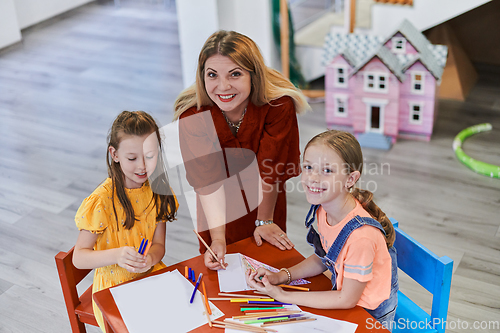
<point>219,248</point>
<point>130,259</point>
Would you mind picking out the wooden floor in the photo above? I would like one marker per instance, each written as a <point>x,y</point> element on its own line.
<point>62,87</point>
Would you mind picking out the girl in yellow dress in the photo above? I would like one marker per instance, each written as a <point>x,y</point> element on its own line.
<point>126,208</point>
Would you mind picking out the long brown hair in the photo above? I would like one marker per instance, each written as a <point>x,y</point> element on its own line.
<point>138,123</point>
<point>348,148</point>
<point>267,84</point>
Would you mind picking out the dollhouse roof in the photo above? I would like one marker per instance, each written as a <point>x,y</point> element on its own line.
<point>388,58</point>
<point>349,57</point>
<point>430,58</point>
<point>412,35</point>
<point>358,46</point>
<point>428,61</point>
<point>360,49</point>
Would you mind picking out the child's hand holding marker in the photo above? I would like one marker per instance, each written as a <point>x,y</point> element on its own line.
<point>135,262</point>
<point>131,260</point>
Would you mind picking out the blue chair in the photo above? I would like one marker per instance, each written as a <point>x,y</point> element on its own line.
<point>432,273</point>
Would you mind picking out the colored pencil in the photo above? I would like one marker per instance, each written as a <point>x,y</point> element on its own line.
<point>207,312</point>
<point>147,248</point>
<point>227,321</point>
<point>294,287</point>
<point>238,300</point>
<point>241,326</point>
<point>258,321</point>
<point>186,272</point>
<point>296,315</point>
<point>262,309</point>
<point>261,305</point>
<point>246,300</point>
<point>209,249</point>
<point>260,314</point>
<point>206,297</point>
<point>242,295</point>
<point>270,302</point>
<point>196,288</point>
<point>288,321</point>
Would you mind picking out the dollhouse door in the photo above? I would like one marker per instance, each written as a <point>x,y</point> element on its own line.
<point>375,119</point>
<point>374,115</point>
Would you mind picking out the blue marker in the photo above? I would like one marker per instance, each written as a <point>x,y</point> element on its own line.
<point>144,247</point>
<point>196,287</point>
<point>140,247</point>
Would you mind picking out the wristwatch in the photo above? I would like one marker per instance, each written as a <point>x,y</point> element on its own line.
<point>258,223</point>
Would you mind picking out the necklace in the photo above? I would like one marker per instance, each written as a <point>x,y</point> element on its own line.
<point>235,124</point>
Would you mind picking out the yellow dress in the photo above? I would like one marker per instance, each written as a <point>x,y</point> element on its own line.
<point>97,216</point>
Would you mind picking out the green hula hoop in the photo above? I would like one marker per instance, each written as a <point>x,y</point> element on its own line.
<point>482,168</point>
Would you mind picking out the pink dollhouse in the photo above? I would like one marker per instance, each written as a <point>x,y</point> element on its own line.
<point>383,89</point>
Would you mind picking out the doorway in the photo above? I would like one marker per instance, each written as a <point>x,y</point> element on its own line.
<point>375,118</point>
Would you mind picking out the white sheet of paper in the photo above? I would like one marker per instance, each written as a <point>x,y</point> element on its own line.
<point>320,325</point>
<point>161,302</point>
<point>233,277</point>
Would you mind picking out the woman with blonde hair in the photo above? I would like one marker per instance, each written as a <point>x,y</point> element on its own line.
<point>251,110</point>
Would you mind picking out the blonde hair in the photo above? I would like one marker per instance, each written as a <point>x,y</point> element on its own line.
<point>267,84</point>
<point>348,148</point>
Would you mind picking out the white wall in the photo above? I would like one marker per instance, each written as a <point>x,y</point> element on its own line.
<point>30,12</point>
<point>251,18</point>
<point>16,15</point>
<point>198,19</point>
<point>424,14</point>
<point>9,27</point>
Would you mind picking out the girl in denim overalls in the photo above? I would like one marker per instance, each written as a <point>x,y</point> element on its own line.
<point>354,238</point>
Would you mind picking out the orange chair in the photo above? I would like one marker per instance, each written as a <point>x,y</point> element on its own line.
<point>79,308</point>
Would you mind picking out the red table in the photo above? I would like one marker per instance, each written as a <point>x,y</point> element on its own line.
<point>265,253</point>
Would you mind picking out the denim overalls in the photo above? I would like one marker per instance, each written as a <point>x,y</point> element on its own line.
<point>385,312</point>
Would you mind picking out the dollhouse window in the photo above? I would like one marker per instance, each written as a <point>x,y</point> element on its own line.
<point>398,45</point>
<point>381,82</point>
<point>417,83</point>
<point>340,77</point>
<point>416,113</point>
<point>340,105</point>
<point>370,79</point>
<point>375,82</point>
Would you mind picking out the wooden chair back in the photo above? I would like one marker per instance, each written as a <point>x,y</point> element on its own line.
<point>79,307</point>
<point>430,271</point>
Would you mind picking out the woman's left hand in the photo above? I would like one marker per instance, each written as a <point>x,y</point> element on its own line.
<point>264,286</point>
<point>274,235</point>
